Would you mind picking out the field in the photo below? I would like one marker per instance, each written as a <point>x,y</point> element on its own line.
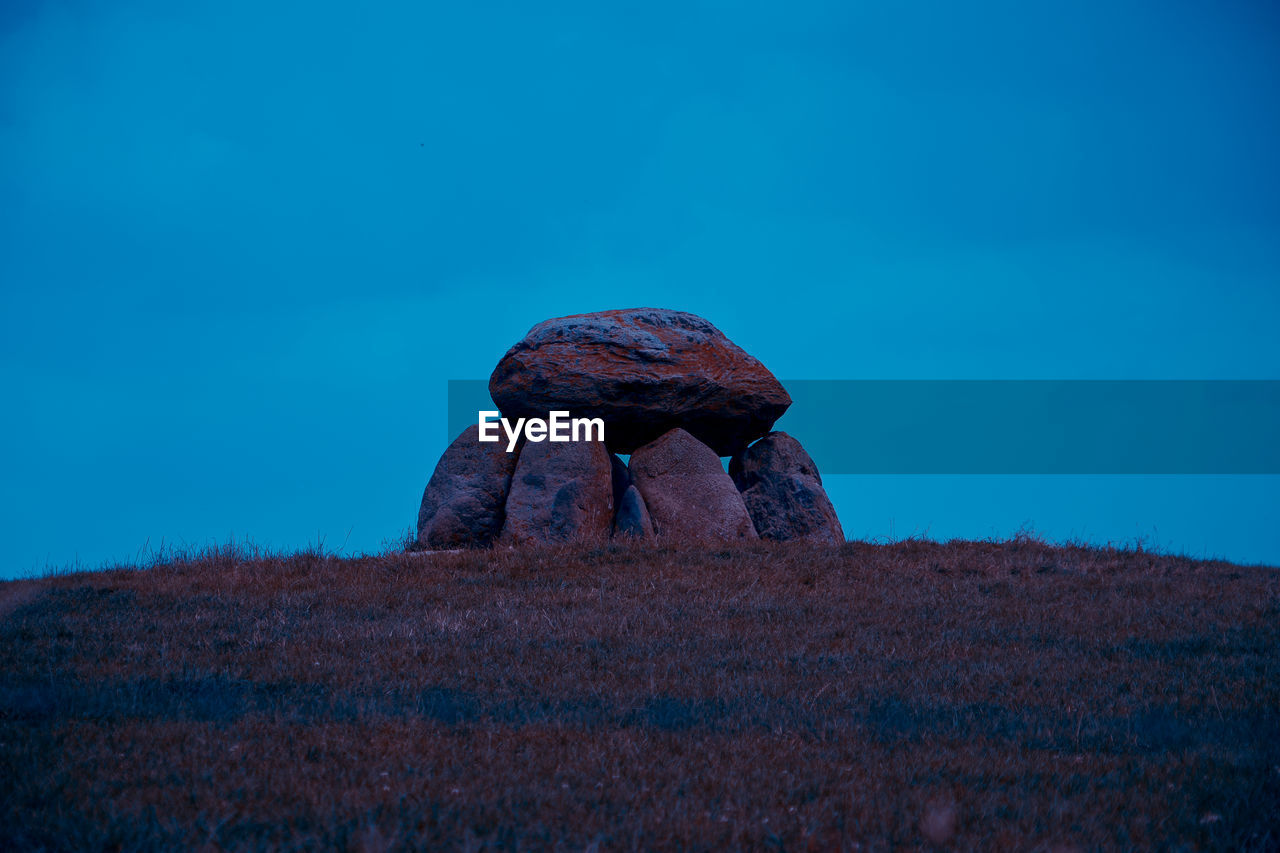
<point>967,695</point>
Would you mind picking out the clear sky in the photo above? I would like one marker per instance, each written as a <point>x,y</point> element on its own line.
<point>243,245</point>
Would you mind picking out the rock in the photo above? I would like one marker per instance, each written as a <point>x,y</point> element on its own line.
<point>560,492</point>
<point>630,516</point>
<point>687,492</point>
<point>783,491</point>
<point>777,452</point>
<point>633,516</point>
<point>462,506</point>
<point>644,371</point>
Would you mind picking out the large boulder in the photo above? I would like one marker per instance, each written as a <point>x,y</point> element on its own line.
<point>783,492</point>
<point>462,506</point>
<point>560,492</point>
<point>686,491</point>
<point>644,371</point>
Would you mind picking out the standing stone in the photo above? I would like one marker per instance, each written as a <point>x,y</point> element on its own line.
<point>687,492</point>
<point>560,492</point>
<point>783,492</point>
<point>644,371</point>
<point>462,506</point>
<point>633,516</point>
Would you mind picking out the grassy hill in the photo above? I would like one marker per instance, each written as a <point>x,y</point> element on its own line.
<point>976,695</point>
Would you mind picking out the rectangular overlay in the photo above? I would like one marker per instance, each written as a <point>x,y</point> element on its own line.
<point>920,426</point>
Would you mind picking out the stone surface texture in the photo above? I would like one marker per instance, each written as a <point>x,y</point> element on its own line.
<point>687,492</point>
<point>783,492</point>
<point>560,492</point>
<point>462,506</point>
<point>644,371</point>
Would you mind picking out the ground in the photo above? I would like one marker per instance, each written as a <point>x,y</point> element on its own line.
<point>968,695</point>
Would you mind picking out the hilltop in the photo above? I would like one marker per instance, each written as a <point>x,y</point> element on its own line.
<point>971,694</point>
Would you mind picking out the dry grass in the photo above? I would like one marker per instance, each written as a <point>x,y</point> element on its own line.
<point>971,695</point>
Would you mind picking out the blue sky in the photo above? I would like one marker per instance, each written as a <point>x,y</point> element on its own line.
<point>244,245</point>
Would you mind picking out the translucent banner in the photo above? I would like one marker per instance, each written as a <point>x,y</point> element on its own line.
<point>1014,426</point>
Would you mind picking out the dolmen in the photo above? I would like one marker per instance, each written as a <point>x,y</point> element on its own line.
<point>675,395</point>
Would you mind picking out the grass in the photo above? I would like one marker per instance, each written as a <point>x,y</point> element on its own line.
<point>969,695</point>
